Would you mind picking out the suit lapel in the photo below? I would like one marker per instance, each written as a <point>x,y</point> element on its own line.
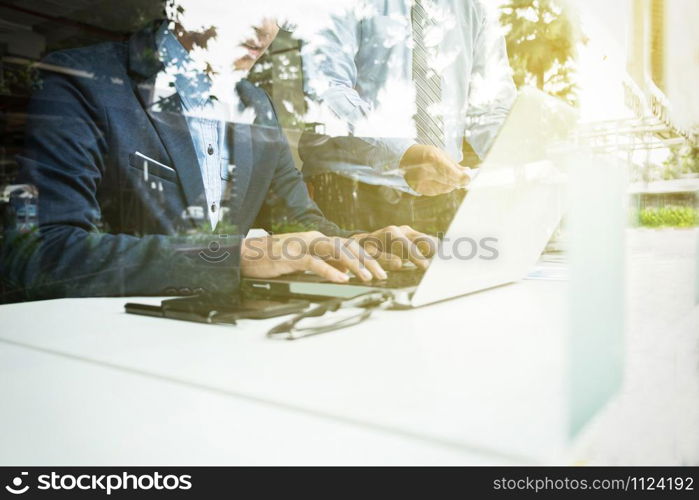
<point>166,116</point>
<point>168,120</point>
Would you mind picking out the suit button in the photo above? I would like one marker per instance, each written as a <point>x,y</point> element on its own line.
<point>198,291</point>
<point>210,150</point>
<point>170,291</point>
<point>185,291</point>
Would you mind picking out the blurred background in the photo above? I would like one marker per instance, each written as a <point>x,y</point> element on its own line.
<point>630,66</point>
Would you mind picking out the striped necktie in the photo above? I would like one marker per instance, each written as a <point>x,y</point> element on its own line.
<point>428,84</point>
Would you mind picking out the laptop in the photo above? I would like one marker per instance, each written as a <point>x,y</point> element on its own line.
<point>513,205</point>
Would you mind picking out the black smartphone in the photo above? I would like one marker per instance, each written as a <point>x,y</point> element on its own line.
<point>208,309</point>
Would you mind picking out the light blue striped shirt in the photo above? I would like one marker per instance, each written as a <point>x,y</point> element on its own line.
<point>205,117</point>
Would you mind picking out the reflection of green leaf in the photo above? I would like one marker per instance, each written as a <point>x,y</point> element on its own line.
<point>669,216</point>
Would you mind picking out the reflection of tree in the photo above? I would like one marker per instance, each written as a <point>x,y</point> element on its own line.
<point>541,42</point>
<point>279,73</point>
<point>189,39</point>
<point>682,160</point>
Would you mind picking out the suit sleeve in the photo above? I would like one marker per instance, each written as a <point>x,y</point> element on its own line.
<point>67,254</point>
<point>290,207</point>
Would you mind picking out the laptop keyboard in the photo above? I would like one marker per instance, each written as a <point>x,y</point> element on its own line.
<point>396,279</point>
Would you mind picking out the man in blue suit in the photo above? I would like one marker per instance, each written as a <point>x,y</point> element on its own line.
<point>148,181</point>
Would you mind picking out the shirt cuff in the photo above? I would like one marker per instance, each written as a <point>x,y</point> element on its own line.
<point>394,149</point>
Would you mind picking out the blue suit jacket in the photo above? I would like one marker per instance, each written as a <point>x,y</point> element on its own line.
<point>108,228</point>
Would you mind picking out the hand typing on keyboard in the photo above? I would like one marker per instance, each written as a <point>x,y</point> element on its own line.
<point>392,245</point>
<point>327,256</point>
<point>365,255</point>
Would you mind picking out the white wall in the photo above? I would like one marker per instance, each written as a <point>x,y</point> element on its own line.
<point>682,62</point>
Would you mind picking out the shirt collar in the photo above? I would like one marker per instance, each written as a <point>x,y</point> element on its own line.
<point>192,84</point>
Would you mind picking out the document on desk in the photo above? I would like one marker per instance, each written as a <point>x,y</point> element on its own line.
<point>549,272</point>
<point>551,266</point>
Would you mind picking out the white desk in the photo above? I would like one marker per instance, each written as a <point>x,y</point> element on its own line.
<point>433,381</point>
<point>58,411</point>
<point>419,373</point>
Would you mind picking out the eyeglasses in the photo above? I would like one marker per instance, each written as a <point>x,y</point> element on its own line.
<point>331,315</point>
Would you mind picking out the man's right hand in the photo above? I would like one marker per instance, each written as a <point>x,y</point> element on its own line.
<point>430,171</point>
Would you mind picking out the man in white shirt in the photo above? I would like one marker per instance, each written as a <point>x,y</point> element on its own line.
<point>440,65</point>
